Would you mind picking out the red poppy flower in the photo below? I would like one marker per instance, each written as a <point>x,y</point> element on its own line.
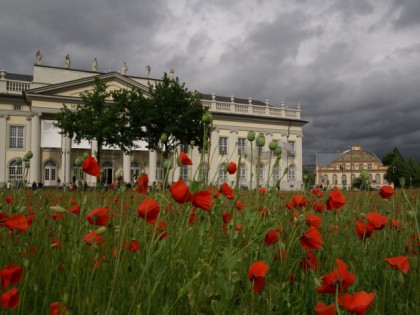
<point>10,298</point>
<point>142,183</point>
<point>394,224</point>
<point>57,216</point>
<point>159,228</point>
<point>90,166</point>
<point>239,205</point>
<point>376,220</point>
<point>386,192</point>
<point>92,237</point>
<point>99,216</point>
<point>322,309</point>
<point>336,200</point>
<point>17,222</point>
<point>309,262</point>
<point>289,205</point>
<point>11,274</point>
<point>256,274</point>
<point>227,217</point>
<point>318,207</point>
<point>192,220</point>
<point>132,246</point>
<point>57,308</point>
<point>227,191</point>
<point>75,209</point>
<point>364,230</point>
<point>149,210</point>
<point>299,201</point>
<point>271,238</point>
<point>231,168</point>
<point>9,199</point>
<point>185,160</point>
<point>202,200</point>
<point>400,263</point>
<point>340,278</point>
<point>311,239</point>
<point>359,302</point>
<point>313,220</point>
<point>56,243</point>
<point>180,191</point>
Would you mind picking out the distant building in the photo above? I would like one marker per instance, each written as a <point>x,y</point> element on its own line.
<point>28,104</point>
<point>340,169</point>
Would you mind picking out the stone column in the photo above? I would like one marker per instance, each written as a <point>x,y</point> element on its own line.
<point>127,167</point>
<point>65,160</point>
<point>152,166</point>
<point>34,171</point>
<point>3,144</point>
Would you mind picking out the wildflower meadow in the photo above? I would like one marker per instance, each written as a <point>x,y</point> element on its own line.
<point>189,249</point>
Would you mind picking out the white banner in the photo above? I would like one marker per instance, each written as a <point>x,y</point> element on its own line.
<point>50,135</point>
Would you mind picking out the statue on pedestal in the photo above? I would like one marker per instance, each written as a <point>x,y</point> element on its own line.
<point>124,69</point>
<point>171,74</point>
<point>148,69</point>
<point>38,57</point>
<point>67,61</point>
<point>94,64</point>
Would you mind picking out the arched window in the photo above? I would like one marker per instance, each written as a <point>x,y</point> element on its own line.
<point>134,170</point>
<point>276,172</point>
<point>15,171</point>
<point>353,177</point>
<point>324,179</point>
<point>222,173</point>
<point>334,179</point>
<point>77,173</point>
<point>291,173</point>
<point>344,180</point>
<point>50,173</point>
<point>204,169</point>
<point>259,170</point>
<point>378,178</point>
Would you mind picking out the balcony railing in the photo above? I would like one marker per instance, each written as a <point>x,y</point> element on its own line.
<point>17,86</point>
<point>253,110</point>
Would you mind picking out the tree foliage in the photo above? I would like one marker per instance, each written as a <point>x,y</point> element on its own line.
<point>398,167</point>
<point>173,110</point>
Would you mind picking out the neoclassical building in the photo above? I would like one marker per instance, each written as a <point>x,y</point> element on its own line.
<point>340,169</point>
<point>28,104</point>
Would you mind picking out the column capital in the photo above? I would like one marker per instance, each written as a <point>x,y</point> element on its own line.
<point>5,116</point>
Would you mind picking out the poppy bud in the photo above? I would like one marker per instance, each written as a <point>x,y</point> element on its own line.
<point>85,155</point>
<point>207,118</point>
<point>101,230</point>
<point>411,214</point>
<point>26,263</point>
<point>402,182</point>
<point>167,165</point>
<point>192,143</point>
<point>400,278</point>
<point>58,209</point>
<point>251,135</point>
<point>65,297</point>
<point>260,140</point>
<point>78,162</point>
<point>29,154</point>
<point>163,137</point>
<point>273,145</point>
<point>317,282</point>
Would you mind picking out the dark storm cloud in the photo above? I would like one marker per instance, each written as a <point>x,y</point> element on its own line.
<point>353,65</point>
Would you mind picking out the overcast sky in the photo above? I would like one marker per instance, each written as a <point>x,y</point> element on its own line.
<point>354,65</point>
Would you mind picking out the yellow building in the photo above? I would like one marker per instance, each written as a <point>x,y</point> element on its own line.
<point>28,104</point>
<point>340,169</point>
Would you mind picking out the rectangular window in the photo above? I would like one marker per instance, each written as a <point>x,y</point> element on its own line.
<point>292,144</point>
<point>16,137</point>
<point>241,146</point>
<point>17,107</point>
<point>223,145</point>
<point>184,148</point>
<point>243,173</point>
<point>184,173</point>
<point>223,177</point>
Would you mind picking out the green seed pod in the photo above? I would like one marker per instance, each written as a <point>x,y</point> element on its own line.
<point>29,154</point>
<point>261,140</point>
<point>163,138</point>
<point>78,161</point>
<point>25,158</point>
<point>273,145</point>
<point>58,209</point>
<point>251,135</point>
<point>18,161</point>
<point>364,175</point>
<point>27,165</point>
<point>167,165</point>
<point>192,143</point>
<point>278,151</point>
<point>85,156</point>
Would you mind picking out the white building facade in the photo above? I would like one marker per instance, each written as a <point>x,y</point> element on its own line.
<point>29,103</point>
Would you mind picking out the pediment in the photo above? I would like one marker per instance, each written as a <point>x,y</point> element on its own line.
<point>70,90</point>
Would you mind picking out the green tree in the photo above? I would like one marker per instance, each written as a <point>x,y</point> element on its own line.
<point>397,167</point>
<point>172,110</point>
<point>98,118</point>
